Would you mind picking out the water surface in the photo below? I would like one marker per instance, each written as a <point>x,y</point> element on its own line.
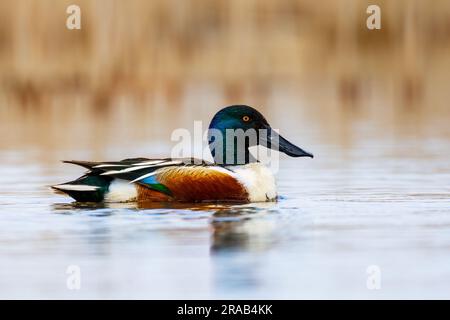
<point>372,202</point>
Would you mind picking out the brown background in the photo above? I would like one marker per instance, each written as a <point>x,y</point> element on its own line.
<point>138,69</point>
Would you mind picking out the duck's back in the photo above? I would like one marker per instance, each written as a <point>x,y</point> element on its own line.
<point>186,180</point>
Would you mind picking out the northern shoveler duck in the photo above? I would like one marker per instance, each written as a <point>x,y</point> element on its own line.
<point>234,175</point>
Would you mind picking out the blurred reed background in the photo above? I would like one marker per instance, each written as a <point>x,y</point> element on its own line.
<point>138,69</point>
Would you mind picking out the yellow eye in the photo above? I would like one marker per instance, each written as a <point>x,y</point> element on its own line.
<point>246,118</point>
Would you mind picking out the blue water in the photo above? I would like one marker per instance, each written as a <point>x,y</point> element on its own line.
<point>375,203</point>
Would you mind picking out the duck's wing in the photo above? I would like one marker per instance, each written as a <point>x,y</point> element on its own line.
<point>180,179</point>
<point>136,169</point>
<point>186,179</point>
<point>111,165</point>
<point>132,164</point>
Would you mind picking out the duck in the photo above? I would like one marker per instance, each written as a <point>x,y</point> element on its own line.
<point>234,175</point>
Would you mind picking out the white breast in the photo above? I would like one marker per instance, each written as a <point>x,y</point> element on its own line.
<point>258,180</point>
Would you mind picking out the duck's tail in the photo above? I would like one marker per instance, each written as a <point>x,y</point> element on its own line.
<point>90,187</point>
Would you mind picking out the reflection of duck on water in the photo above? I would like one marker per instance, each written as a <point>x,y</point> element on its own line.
<point>231,226</point>
<point>242,227</point>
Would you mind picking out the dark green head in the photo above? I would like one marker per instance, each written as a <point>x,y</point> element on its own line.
<point>236,128</point>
